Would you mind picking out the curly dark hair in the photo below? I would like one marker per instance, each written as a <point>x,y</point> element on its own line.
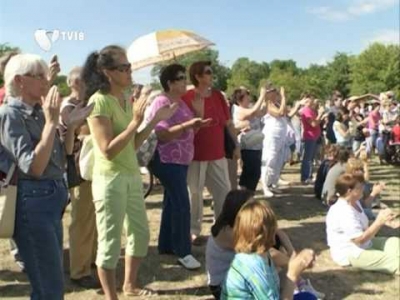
<point>169,74</point>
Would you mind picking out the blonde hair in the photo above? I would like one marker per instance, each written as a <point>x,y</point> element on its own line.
<point>255,228</point>
<point>22,64</point>
<point>354,164</point>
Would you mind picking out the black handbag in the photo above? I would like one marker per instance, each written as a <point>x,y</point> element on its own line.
<point>73,177</point>
<point>229,144</point>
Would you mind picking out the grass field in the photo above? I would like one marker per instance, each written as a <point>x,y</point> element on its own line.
<point>300,214</point>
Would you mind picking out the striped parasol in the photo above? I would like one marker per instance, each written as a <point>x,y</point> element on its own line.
<point>164,45</point>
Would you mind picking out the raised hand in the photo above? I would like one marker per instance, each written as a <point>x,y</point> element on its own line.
<point>79,114</point>
<point>282,92</point>
<point>385,215</point>
<point>51,105</point>
<point>138,109</point>
<point>378,188</point>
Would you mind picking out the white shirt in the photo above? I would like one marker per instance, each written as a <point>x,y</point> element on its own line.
<point>344,223</point>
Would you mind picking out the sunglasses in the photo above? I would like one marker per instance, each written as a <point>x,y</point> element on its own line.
<point>208,72</point>
<point>180,78</point>
<point>122,68</point>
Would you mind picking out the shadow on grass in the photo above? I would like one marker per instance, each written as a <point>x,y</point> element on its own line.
<point>341,283</point>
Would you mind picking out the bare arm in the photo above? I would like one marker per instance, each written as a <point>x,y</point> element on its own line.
<point>294,110</point>
<point>368,234</point>
<point>110,146</point>
<point>249,113</point>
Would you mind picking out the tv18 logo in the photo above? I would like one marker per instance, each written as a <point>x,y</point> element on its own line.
<point>46,38</point>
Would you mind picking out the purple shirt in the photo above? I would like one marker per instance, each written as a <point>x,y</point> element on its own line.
<point>181,149</point>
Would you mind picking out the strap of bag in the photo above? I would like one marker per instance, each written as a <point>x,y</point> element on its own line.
<point>10,174</point>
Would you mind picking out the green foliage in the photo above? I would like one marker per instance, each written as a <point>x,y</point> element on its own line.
<point>4,48</point>
<point>376,69</point>
<point>63,88</point>
<point>338,77</point>
<point>247,73</point>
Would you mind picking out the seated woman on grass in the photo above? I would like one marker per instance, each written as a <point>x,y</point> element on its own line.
<point>352,240</point>
<point>371,192</point>
<point>220,247</point>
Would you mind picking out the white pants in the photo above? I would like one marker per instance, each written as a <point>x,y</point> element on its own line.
<point>273,154</point>
<point>215,176</point>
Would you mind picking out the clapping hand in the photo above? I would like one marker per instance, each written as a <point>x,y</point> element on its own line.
<point>385,215</point>
<point>51,105</point>
<point>79,114</point>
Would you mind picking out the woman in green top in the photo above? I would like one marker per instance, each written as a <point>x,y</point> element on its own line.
<point>117,184</point>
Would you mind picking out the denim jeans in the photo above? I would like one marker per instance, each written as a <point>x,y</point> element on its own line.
<point>310,147</point>
<point>38,235</point>
<point>174,234</point>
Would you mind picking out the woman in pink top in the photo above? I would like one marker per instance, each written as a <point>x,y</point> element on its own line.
<point>170,163</point>
<point>310,120</point>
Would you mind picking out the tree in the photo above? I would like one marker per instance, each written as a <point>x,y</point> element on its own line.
<point>339,74</point>
<point>376,69</point>
<point>247,73</point>
<point>288,65</point>
<point>315,81</point>
<point>221,72</point>
<point>61,83</point>
<point>5,48</point>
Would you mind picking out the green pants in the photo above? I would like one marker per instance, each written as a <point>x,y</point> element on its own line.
<point>383,256</point>
<point>118,198</point>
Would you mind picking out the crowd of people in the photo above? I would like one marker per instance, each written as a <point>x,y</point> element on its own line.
<point>200,138</point>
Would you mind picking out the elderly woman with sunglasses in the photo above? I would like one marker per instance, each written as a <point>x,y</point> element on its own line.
<point>117,183</point>
<point>170,163</point>
<point>28,135</point>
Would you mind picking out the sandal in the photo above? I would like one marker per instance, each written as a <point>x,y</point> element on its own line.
<point>140,293</point>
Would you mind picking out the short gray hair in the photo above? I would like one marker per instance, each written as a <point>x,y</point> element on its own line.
<point>22,64</point>
<point>73,75</point>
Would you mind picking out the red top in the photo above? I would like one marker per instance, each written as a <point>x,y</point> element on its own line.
<point>309,132</point>
<point>2,94</point>
<point>209,141</point>
<point>396,134</point>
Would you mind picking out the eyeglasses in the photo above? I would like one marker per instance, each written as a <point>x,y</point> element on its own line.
<point>208,72</point>
<point>122,68</point>
<point>180,78</point>
<point>37,76</point>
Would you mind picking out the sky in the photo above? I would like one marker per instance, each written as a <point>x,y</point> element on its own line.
<point>262,30</point>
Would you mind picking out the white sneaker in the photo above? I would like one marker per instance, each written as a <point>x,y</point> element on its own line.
<point>189,262</point>
<point>282,182</point>
<point>306,286</point>
<point>268,193</point>
<point>144,171</point>
<point>274,189</point>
